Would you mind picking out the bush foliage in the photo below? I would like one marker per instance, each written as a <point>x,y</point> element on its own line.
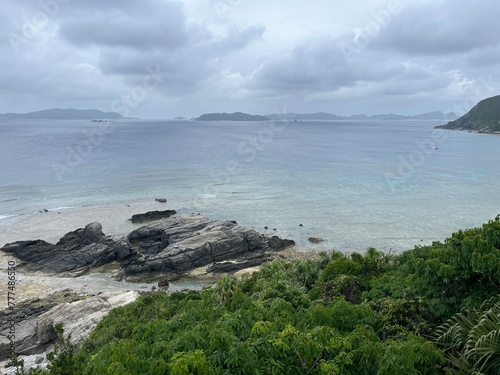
<point>419,312</point>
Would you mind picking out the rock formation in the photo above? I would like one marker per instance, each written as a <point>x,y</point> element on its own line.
<point>36,320</point>
<point>181,243</point>
<point>167,248</point>
<point>74,254</point>
<point>315,240</point>
<point>152,215</point>
<point>163,250</point>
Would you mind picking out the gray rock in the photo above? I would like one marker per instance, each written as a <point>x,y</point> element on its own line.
<point>166,248</point>
<point>276,244</point>
<point>163,284</point>
<point>25,316</point>
<point>75,253</point>
<point>36,332</point>
<point>119,245</point>
<point>238,265</point>
<point>181,243</point>
<point>315,240</point>
<point>152,215</point>
<point>93,232</point>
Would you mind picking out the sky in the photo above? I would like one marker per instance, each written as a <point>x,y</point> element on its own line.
<point>166,58</point>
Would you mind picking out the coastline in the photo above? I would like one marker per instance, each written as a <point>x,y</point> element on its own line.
<point>50,226</point>
<point>36,285</point>
<point>114,217</point>
<point>53,224</point>
<point>473,131</point>
<point>75,296</point>
<point>70,300</point>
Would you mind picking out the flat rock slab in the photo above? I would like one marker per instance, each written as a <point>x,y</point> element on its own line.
<point>152,215</point>
<point>36,331</point>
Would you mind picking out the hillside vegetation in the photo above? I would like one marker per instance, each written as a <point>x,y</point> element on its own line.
<point>431,310</point>
<point>485,117</point>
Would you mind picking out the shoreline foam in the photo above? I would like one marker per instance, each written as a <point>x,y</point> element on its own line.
<point>50,226</point>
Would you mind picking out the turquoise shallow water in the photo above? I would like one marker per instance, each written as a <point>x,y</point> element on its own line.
<point>355,184</point>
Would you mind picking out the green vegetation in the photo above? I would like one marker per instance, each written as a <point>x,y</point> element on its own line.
<point>485,116</point>
<point>471,340</point>
<point>431,310</point>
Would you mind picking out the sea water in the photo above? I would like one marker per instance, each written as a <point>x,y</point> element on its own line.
<point>387,184</point>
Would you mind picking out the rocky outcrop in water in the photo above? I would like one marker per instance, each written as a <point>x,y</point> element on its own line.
<point>162,250</point>
<point>152,216</point>
<point>315,240</point>
<point>179,244</point>
<point>167,248</point>
<point>74,254</point>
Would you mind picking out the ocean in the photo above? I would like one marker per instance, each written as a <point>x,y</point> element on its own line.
<point>355,184</point>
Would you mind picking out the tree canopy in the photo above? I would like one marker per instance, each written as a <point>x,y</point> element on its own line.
<point>430,310</point>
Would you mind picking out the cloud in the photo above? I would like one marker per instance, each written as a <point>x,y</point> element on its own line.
<point>183,69</point>
<point>319,65</point>
<point>237,39</point>
<point>484,58</point>
<point>108,47</point>
<point>244,55</point>
<point>122,27</point>
<point>313,65</point>
<point>441,28</point>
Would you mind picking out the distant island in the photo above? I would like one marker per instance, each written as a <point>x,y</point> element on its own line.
<point>484,117</point>
<point>321,116</point>
<point>437,115</point>
<point>237,116</point>
<point>64,114</point>
<point>94,114</point>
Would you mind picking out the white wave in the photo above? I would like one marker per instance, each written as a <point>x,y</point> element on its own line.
<point>42,210</point>
<point>207,196</point>
<point>61,208</point>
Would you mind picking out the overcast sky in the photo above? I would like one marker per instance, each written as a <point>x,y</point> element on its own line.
<point>167,58</point>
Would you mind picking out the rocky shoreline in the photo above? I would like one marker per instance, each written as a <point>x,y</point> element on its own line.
<point>167,248</point>
<point>162,251</point>
<point>36,321</point>
<point>479,131</point>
